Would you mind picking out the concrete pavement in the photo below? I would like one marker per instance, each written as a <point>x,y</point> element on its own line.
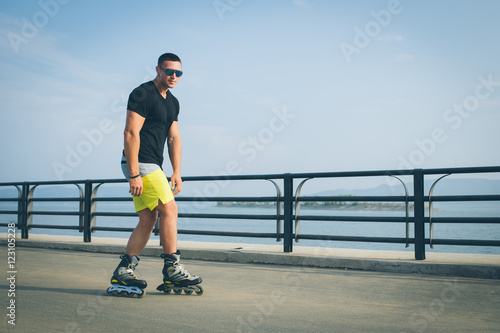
<point>444,264</point>
<point>64,291</point>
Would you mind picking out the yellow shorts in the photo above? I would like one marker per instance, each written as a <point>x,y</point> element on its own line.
<point>156,187</point>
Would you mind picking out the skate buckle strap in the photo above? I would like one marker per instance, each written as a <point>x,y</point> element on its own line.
<point>172,259</point>
<point>133,262</point>
<point>126,273</point>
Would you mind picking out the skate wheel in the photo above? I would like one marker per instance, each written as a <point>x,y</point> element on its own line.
<point>199,292</point>
<point>188,291</point>
<point>177,291</point>
<point>163,287</point>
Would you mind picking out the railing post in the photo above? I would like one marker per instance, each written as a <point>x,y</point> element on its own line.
<point>23,206</point>
<point>19,207</point>
<point>87,211</point>
<point>81,208</point>
<point>288,207</point>
<point>419,211</point>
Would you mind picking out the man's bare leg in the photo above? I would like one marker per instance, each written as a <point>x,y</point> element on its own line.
<point>175,276</point>
<point>168,226</point>
<point>141,234</point>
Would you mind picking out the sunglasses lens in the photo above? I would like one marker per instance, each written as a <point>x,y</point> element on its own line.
<point>169,72</point>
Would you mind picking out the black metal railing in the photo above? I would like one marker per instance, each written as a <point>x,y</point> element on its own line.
<point>288,202</point>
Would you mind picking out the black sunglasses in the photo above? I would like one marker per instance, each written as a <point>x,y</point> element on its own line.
<point>169,71</point>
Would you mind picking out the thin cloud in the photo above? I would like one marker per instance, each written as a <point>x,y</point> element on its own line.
<point>302,4</point>
<point>391,38</point>
<point>41,53</point>
<point>404,58</point>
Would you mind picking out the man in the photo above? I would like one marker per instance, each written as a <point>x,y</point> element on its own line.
<point>152,120</point>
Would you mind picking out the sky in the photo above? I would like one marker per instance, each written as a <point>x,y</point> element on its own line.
<point>268,86</point>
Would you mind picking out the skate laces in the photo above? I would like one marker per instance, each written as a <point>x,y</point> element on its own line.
<point>181,270</point>
<point>176,270</point>
<point>126,273</point>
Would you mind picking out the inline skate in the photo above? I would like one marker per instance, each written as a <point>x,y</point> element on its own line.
<point>124,282</point>
<point>176,278</point>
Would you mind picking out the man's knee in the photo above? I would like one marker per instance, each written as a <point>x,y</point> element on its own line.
<point>168,209</point>
<point>147,216</point>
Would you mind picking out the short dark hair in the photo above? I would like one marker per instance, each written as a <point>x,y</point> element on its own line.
<point>168,57</point>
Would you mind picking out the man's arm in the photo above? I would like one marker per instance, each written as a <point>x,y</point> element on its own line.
<point>132,143</point>
<point>174,144</point>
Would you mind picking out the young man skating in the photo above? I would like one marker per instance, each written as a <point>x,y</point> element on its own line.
<point>152,120</point>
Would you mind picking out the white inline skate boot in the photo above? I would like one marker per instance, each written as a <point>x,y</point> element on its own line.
<point>124,282</point>
<point>178,279</point>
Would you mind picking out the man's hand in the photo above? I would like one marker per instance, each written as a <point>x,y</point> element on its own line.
<point>136,186</point>
<point>176,183</point>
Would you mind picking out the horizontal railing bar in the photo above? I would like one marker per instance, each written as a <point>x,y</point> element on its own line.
<point>401,198</point>
<point>8,212</point>
<point>228,233</point>
<point>482,220</point>
<point>233,177</point>
<point>487,169</point>
<point>50,226</point>
<point>113,181</point>
<point>47,182</point>
<point>355,238</point>
<point>391,219</point>
<point>55,213</point>
<point>271,199</point>
<point>114,199</point>
<point>116,214</point>
<point>472,242</point>
<point>203,178</point>
<point>56,199</point>
<point>355,198</point>
<point>224,199</point>
<point>231,216</point>
<point>199,232</point>
<point>7,224</point>
<point>342,174</point>
<point>9,199</point>
<point>198,199</point>
<point>119,229</point>
<point>465,198</point>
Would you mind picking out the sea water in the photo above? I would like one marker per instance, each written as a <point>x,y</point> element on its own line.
<point>334,228</point>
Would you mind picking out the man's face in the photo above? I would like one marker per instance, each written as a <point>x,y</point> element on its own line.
<point>169,80</point>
